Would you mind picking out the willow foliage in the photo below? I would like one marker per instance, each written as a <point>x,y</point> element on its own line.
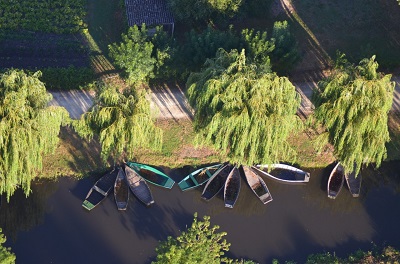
<point>122,121</point>
<point>246,113</point>
<point>29,128</point>
<point>353,106</point>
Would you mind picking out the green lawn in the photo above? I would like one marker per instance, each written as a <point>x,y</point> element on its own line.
<point>358,28</point>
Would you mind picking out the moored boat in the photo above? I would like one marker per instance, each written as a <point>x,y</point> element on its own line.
<point>138,186</point>
<point>232,188</point>
<point>354,183</point>
<point>152,174</point>
<point>335,181</point>
<point>100,190</point>
<point>198,177</point>
<point>216,182</point>
<point>283,173</point>
<point>121,190</point>
<point>257,185</point>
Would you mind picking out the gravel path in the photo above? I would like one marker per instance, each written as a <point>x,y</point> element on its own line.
<point>172,104</point>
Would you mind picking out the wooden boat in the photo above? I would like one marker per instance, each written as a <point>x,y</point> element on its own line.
<point>121,190</point>
<point>138,186</point>
<point>283,173</point>
<point>257,185</point>
<point>335,181</point>
<point>100,190</point>
<point>216,182</point>
<point>232,188</point>
<point>354,183</point>
<point>198,177</point>
<point>152,175</point>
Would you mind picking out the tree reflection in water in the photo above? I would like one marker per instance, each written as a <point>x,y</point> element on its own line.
<point>22,213</point>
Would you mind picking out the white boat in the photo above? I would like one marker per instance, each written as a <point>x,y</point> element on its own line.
<point>283,173</point>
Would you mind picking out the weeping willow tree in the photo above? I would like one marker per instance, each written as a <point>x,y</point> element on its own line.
<point>122,121</point>
<point>29,129</point>
<point>246,113</point>
<point>353,106</point>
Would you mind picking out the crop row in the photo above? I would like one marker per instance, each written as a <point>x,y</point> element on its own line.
<point>57,16</point>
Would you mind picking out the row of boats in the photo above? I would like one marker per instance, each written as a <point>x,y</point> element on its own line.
<point>134,177</point>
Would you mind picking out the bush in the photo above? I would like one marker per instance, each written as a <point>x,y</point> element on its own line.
<point>67,78</point>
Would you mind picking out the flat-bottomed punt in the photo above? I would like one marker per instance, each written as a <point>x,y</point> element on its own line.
<point>100,190</point>
<point>354,183</point>
<point>216,182</point>
<point>138,186</point>
<point>257,185</point>
<point>198,177</point>
<point>335,181</point>
<point>152,174</point>
<point>283,173</point>
<point>232,188</point>
<point>121,190</point>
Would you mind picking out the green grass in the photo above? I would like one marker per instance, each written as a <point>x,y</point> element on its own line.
<point>178,147</point>
<point>358,28</point>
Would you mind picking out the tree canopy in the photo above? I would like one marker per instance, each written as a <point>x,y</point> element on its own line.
<point>6,256</point>
<point>122,121</point>
<point>190,11</point>
<point>29,129</point>
<point>201,243</point>
<point>243,111</point>
<point>353,105</point>
<point>134,55</point>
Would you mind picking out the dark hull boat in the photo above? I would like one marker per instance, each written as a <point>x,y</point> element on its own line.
<point>198,177</point>
<point>138,186</point>
<point>100,190</point>
<point>257,185</point>
<point>232,188</point>
<point>283,173</point>
<point>354,183</point>
<point>216,182</point>
<point>121,190</point>
<point>335,181</point>
<point>152,174</point>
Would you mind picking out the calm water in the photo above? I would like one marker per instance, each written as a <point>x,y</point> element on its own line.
<point>52,227</point>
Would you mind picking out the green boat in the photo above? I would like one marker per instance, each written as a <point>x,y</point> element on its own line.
<point>198,177</point>
<point>152,175</point>
<point>100,190</point>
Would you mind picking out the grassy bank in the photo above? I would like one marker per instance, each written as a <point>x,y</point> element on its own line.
<point>78,158</point>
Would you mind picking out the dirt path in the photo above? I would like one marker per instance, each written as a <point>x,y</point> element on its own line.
<point>172,104</point>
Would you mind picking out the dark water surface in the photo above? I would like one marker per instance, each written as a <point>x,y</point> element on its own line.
<point>50,226</point>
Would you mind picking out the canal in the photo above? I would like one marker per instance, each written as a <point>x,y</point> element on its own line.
<point>50,226</point>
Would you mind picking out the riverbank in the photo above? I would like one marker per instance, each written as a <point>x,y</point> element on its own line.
<point>77,157</point>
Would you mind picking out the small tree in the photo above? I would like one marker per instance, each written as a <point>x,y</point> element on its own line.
<point>199,244</point>
<point>258,47</point>
<point>134,55</point>
<point>246,113</point>
<point>122,121</point>
<point>29,129</point>
<point>285,54</point>
<point>353,106</point>
<point>6,256</point>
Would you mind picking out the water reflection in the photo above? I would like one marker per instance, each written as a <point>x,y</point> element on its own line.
<point>53,227</point>
<point>22,213</point>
